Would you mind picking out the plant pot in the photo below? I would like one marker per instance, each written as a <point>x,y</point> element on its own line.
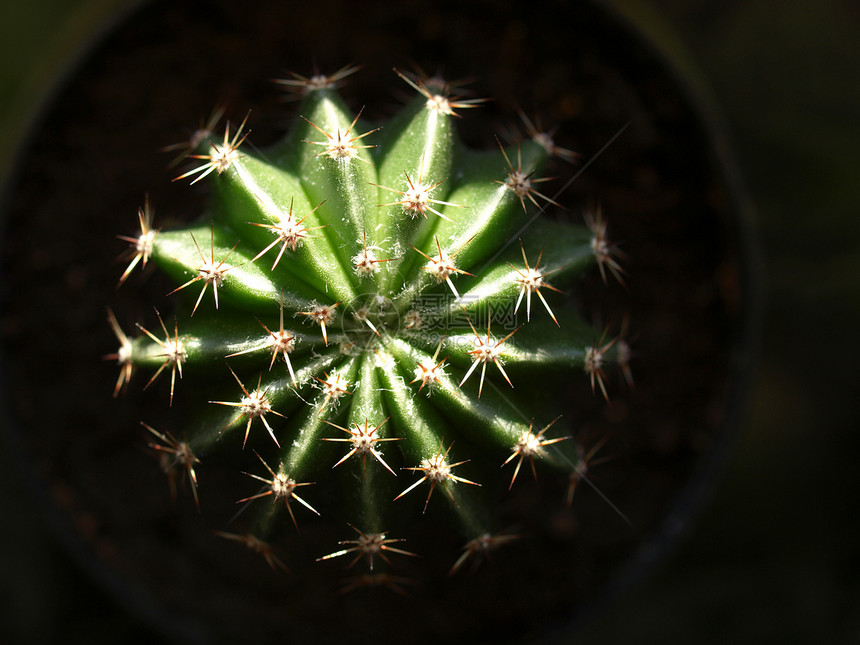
<point>688,291</point>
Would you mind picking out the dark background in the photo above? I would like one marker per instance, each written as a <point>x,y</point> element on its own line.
<point>774,556</point>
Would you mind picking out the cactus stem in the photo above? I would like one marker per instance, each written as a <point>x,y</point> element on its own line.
<point>362,440</point>
<point>369,545</point>
<point>174,353</point>
<point>531,445</point>
<point>280,485</point>
<point>392,320</point>
<point>141,246</point>
<point>253,405</point>
<point>122,356</point>
<point>531,281</point>
<point>221,157</point>
<point>340,145</point>
<point>256,545</point>
<point>174,454</point>
<point>437,470</point>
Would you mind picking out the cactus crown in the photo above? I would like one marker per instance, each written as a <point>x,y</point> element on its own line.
<point>370,323</point>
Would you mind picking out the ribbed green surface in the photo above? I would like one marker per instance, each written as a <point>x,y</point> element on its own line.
<point>420,301</point>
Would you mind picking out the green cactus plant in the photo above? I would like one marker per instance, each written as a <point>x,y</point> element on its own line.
<point>387,326</point>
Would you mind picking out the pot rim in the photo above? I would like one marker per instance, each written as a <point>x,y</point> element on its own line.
<point>687,504</point>
<point>691,501</point>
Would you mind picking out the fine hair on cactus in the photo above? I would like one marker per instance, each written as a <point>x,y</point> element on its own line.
<point>373,327</point>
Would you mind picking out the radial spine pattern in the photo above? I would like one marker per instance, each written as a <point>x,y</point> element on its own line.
<point>375,323</point>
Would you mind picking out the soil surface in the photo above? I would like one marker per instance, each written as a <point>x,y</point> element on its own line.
<point>96,152</point>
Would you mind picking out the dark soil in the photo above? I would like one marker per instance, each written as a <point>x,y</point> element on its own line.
<point>660,184</point>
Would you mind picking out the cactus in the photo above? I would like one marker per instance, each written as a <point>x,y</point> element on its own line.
<point>372,323</point>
